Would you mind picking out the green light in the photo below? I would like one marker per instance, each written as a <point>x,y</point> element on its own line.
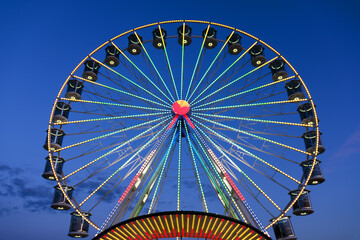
<point>197,62</point>
<point>152,63</point>
<point>236,94</point>
<point>250,105</point>
<point>170,69</point>
<point>196,169</point>
<point>179,168</point>
<point>127,79</point>
<point>162,171</point>
<point>114,104</point>
<point>216,79</point>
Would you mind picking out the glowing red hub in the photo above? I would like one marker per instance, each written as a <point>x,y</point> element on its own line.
<point>181,107</point>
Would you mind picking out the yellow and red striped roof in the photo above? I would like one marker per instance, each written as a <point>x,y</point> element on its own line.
<point>184,224</point>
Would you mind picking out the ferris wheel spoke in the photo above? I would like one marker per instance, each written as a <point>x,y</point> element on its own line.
<point>239,78</point>
<point>132,63</point>
<point>179,173</point>
<point>134,116</point>
<point>244,150</point>
<point>102,167</point>
<point>112,133</point>
<point>127,79</point>
<point>167,157</point>
<point>251,105</point>
<point>120,168</point>
<point>154,66</point>
<point>168,62</point>
<point>225,79</point>
<point>242,172</point>
<point>156,177</point>
<point>196,172</point>
<point>250,119</point>
<point>227,69</point>
<point>113,104</point>
<point>182,62</point>
<point>255,136</point>
<point>123,92</point>
<point>148,160</point>
<point>114,149</point>
<point>240,204</point>
<point>238,158</point>
<point>214,178</point>
<point>243,92</point>
<point>197,62</point>
<point>212,63</point>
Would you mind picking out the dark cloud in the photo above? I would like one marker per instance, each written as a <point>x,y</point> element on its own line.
<point>25,189</point>
<point>38,205</point>
<point>209,192</point>
<point>7,190</point>
<point>20,193</point>
<point>6,171</point>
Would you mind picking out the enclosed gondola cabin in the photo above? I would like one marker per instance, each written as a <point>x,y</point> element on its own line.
<point>278,71</point>
<point>91,70</point>
<point>58,163</point>
<point>310,142</point>
<point>134,46</point>
<point>306,113</point>
<point>184,35</point>
<point>294,90</point>
<point>74,89</point>
<point>59,200</point>
<point>61,112</point>
<point>283,229</point>
<point>112,56</point>
<point>316,176</point>
<point>210,41</point>
<point>159,38</point>
<point>257,55</point>
<point>234,44</point>
<point>79,227</point>
<point>302,206</point>
<point>56,139</point>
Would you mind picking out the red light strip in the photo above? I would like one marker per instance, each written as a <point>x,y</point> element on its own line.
<point>188,120</point>
<point>173,122</point>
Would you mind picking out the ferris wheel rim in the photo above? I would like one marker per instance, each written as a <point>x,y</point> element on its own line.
<point>186,21</point>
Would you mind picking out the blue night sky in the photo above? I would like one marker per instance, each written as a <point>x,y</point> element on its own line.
<point>42,41</point>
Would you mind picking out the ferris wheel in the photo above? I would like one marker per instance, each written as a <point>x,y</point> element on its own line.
<point>183,129</point>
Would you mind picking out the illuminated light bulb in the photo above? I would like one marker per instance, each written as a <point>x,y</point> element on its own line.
<point>51,177</point>
<point>112,62</point>
<point>159,44</point>
<point>134,50</point>
<point>210,44</point>
<point>58,121</point>
<point>185,41</point>
<point>296,99</point>
<point>315,182</point>
<point>258,62</point>
<point>72,98</point>
<point>280,77</point>
<point>89,77</point>
<point>145,197</point>
<point>303,213</point>
<point>235,50</point>
<point>310,123</point>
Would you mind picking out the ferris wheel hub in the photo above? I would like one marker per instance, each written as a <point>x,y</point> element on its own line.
<point>181,107</point>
